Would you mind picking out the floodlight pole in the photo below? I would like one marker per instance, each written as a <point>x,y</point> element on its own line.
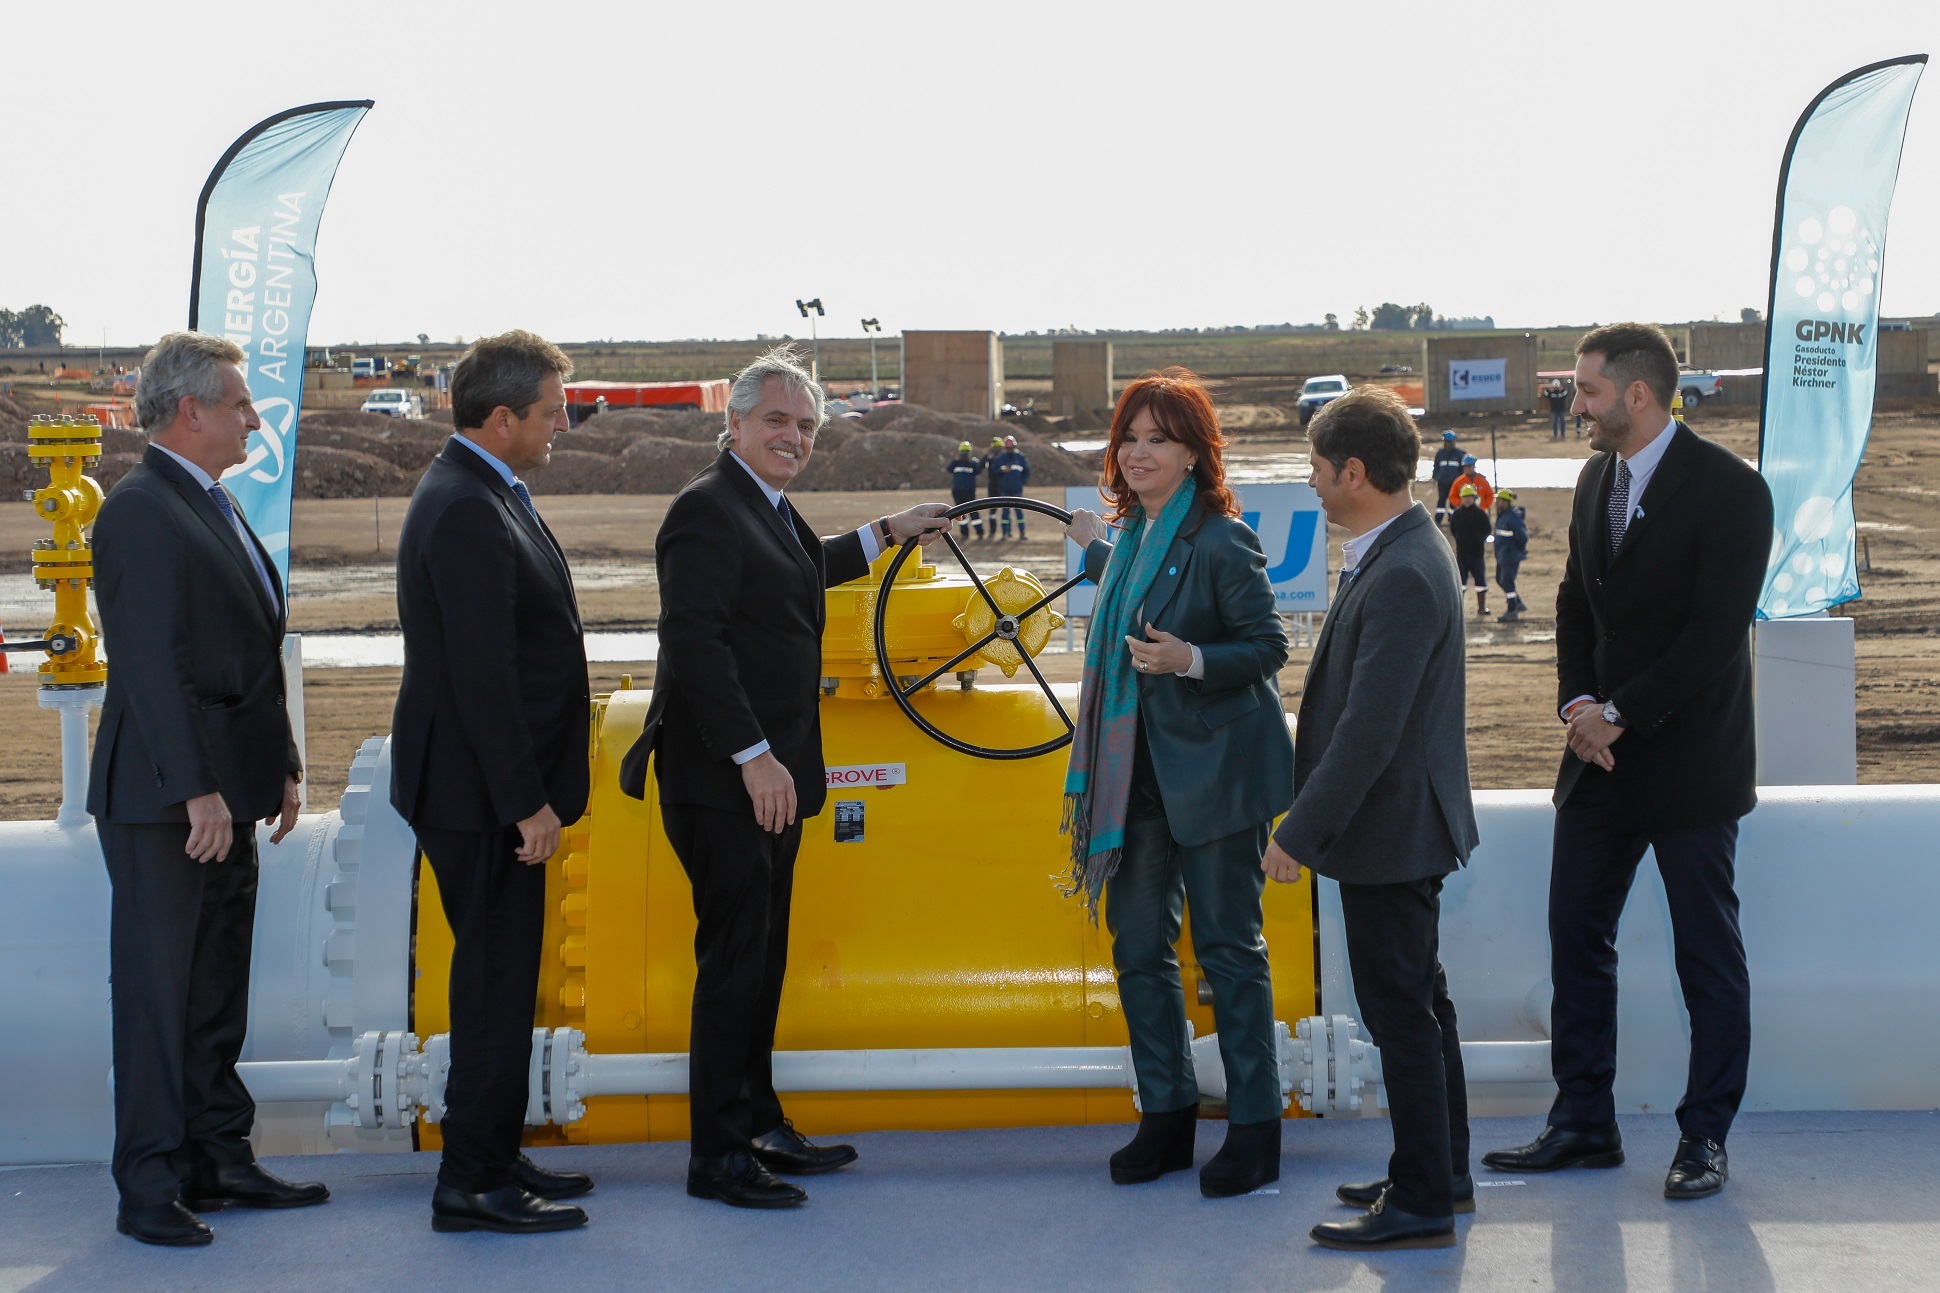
<point>814,344</point>
<point>872,327</point>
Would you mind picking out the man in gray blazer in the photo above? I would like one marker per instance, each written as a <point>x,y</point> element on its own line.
<point>1381,804</point>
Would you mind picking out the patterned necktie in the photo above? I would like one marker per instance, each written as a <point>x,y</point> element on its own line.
<point>1346,578</point>
<point>1619,506</point>
<point>525,496</point>
<point>221,496</point>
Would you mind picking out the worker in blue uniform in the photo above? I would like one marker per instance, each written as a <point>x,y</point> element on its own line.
<point>964,470</point>
<point>1010,472</point>
<point>1448,465</point>
<point>1511,547</point>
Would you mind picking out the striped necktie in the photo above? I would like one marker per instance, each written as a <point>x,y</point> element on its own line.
<point>1619,506</point>
<point>228,509</point>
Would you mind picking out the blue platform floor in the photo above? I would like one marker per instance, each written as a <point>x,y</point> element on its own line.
<point>1817,1201</point>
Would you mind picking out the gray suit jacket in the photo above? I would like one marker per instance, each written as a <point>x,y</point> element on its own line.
<point>1219,744</point>
<point>1380,763</point>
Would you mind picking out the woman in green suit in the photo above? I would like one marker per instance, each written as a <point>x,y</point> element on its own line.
<point>1180,762</point>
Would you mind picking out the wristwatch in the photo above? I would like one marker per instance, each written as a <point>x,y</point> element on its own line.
<point>888,538</point>
<point>1610,714</point>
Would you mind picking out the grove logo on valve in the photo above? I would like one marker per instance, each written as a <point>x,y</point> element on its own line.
<point>859,775</point>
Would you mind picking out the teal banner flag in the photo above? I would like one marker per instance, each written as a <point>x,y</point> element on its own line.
<point>255,281</point>
<point>1835,190</point>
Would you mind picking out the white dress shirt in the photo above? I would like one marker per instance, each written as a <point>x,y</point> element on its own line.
<point>871,549</point>
<point>1352,550</point>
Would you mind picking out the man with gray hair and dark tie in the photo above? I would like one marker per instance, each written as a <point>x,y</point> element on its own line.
<point>195,748</point>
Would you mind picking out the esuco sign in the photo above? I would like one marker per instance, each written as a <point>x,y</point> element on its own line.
<point>862,775</point>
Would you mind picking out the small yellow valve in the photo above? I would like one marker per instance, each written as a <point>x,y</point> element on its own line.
<point>64,564</point>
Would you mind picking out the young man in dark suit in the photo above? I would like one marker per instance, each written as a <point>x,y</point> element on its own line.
<point>195,747</point>
<point>735,720</point>
<point>1669,537</point>
<point>1381,804</point>
<point>489,758</point>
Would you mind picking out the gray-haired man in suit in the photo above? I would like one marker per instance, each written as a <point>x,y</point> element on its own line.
<point>1380,773</point>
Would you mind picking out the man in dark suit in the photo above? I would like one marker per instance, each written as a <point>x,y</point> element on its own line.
<point>1669,536</point>
<point>1381,804</point>
<point>195,746</point>
<point>736,723</point>
<point>488,759</point>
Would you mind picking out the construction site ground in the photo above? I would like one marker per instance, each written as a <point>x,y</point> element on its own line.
<point>345,546</point>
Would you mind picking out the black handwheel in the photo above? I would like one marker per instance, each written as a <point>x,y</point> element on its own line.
<point>1006,627</point>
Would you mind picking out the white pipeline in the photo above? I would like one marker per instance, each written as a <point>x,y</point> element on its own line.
<point>1013,1068</point>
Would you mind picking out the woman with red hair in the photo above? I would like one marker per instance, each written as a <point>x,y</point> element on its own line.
<point>1179,763</point>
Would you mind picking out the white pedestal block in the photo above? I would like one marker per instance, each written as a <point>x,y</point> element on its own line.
<point>1805,698</point>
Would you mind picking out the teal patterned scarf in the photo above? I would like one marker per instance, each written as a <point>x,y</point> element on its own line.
<point>1098,785</point>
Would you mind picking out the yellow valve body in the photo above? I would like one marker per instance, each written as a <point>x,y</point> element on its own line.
<point>943,925</point>
<point>64,564</point>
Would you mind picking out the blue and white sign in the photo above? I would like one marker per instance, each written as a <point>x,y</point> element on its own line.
<point>1821,346</point>
<point>255,281</point>
<point>1293,534</point>
<point>1477,379</point>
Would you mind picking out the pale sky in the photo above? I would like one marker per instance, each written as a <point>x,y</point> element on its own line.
<point>659,170</point>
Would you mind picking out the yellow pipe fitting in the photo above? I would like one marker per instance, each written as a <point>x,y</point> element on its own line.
<point>64,564</point>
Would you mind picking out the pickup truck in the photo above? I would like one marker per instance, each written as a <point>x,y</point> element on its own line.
<point>1697,387</point>
<point>395,403</point>
<point>1319,391</point>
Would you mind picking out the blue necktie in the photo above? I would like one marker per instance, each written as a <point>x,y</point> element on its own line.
<point>221,496</point>
<point>1346,578</point>
<point>525,496</point>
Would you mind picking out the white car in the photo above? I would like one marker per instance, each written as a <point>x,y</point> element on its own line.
<point>394,403</point>
<point>1319,391</point>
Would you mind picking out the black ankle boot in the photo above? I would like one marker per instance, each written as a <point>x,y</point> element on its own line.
<point>1163,1144</point>
<point>1249,1159</point>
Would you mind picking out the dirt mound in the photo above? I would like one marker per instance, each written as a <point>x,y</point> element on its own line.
<point>326,472</point>
<point>658,466</point>
<point>657,424</point>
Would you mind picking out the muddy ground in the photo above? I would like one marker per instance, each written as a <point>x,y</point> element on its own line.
<point>344,547</point>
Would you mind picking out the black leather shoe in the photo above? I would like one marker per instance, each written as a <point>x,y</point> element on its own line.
<point>169,1224</point>
<point>507,1210</point>
<point>247,1185</point>
<point>739,1180</point>
<point>1249,1159</point>
<point>548,1184</point>
<point>1162,1144</point>
<point>787,1151</point>
<point>1557,1148</point>
<point>1382,1227</point>
<point>1699,1170</point>
<point>1365,1194</point>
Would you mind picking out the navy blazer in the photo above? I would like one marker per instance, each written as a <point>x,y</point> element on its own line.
<point>195,699</point>
<point>494,706</point>
<point>1381,749</point>
<point>1219,744</point>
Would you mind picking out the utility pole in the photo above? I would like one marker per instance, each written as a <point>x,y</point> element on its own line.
<point>814,345</point>
<point>872,327</point>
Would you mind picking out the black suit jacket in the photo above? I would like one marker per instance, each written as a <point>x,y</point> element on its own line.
<point>492,712</point>
<point>1663,630</point>
<point>741,614</point>
<point>1219,744</point>
<point>195,697</point>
